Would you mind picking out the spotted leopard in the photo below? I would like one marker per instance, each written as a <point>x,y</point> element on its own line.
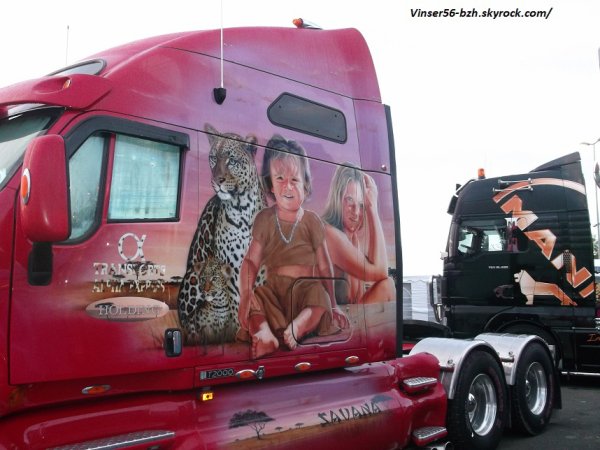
<point>213,314</point>
<point>224,227</point>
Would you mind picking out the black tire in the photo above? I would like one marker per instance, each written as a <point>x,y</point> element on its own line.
<point>477,414</point>
<point>532,396</point>
<point>537,331</point>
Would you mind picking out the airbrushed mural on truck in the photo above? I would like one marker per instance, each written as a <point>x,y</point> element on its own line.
<point>287,251</point>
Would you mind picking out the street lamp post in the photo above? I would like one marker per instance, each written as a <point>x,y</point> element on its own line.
<point>593,145</point>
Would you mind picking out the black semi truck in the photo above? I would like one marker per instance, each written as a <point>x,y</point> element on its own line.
<point>520,259</point>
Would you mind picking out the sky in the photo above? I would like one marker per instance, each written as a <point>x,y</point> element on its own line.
<point>505,94</point>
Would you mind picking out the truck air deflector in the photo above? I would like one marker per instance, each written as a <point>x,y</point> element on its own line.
<point>559,162</point>
<point>77,91</point>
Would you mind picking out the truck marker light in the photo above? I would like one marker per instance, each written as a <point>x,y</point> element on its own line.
<point>50,85</point>
<point>245,374</point>
<point>206,396</point>
<point>96,389</point>
<point>25,186</point>
<point>481,173</point>
<point>303,366</point>
<point>350,360</point>
<point>301,23</point>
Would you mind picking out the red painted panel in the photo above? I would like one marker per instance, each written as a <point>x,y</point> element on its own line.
<point>8,197</point>
<point>359,408</point>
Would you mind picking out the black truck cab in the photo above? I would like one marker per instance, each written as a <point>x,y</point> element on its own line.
<point>519,259</point>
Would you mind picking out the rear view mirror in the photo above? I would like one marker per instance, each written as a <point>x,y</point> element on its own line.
<point>44,199</point>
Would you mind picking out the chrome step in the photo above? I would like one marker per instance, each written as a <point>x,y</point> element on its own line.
<point>418,384</point>
<point>425,435</point>
<point>121,441</point>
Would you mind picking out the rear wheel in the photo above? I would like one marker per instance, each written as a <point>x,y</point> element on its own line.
<point>534,390</point>
<point>537,331</point>
<point>477,413</point>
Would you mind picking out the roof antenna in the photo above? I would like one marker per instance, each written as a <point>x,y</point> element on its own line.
<point>220,93</point>
<point>67,49</point>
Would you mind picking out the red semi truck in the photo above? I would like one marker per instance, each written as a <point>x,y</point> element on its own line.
<point>186,263</point>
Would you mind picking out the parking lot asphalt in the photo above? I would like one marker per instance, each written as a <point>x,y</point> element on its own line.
<point>575,426</point>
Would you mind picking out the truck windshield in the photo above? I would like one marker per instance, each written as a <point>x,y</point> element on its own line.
<point>16,131</point>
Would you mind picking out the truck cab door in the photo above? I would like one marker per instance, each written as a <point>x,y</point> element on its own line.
<point>98,301</point>
<point>478,270</point>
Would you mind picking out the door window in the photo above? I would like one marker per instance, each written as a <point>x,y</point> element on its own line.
<point>485,236</point>
<point>145,180</point>
<point>144,183</point>
<point>85,181</point>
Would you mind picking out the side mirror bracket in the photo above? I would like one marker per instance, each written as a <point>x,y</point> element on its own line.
<point>39,265</point>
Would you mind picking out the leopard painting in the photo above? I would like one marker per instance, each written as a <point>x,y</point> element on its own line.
<point>224,227</point>
<point>213,316</point>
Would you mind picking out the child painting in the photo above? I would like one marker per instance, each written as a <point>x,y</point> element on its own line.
<point>290,242</point>
<point>355,238</point>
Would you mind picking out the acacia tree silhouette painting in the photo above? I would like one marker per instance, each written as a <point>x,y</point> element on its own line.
<point>257,420</point>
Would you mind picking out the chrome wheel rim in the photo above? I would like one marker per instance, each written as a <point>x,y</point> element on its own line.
<point>536,388</point>
<point>482,404</point>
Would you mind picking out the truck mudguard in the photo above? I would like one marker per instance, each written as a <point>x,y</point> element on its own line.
<point>509,348</point>
<point>451,354</point>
